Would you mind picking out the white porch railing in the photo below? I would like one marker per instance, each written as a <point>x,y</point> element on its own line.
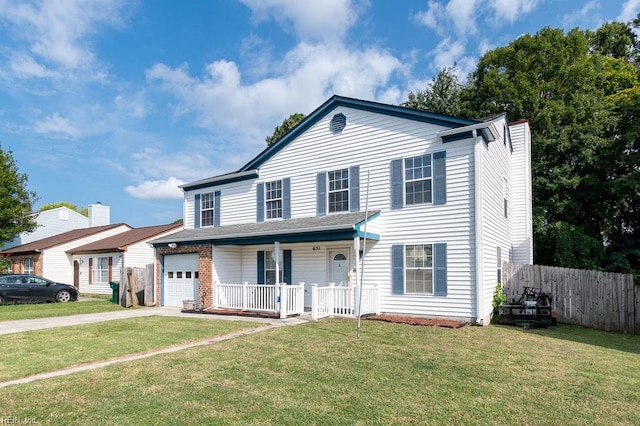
<point>280,298</point>
<point>343,301</point>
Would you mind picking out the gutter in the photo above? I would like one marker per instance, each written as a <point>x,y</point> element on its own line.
<point>485,125</point>
<point>477,171</point>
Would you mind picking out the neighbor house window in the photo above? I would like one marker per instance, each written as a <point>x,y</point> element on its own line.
<point>417,174</point>
<point>273,199</point>
<point>100,271</point>
<point>338,191</point>
<point>27,266</point>
<point>270,267</point>
<point>419,268</point>
<point>207,206</point>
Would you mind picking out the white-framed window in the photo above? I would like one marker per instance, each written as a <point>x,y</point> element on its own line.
<point>418,181</point>
<point>338,190</point>
<point>419,268</point>
<point>207,206</point>
<point>100,273</point>
<point>27,266</point>
<point>273,199</point>
<point>270,267</point>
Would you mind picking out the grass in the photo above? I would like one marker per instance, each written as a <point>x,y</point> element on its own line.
<point>317,373</point>
<point>54,349</point>
<point>46,310</point>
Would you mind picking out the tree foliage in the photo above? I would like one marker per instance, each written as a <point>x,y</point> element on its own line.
<point>16,201</point>
<point>581,94</point>
<point>84,211</point>
<point>286,126</point>
<point>441,96</point>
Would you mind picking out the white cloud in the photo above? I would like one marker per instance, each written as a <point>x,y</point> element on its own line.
<point>584,16</point>
<point>56,125</point>
<point>24,66</point>
<point>450,53</point>
<point>309,19</point>
<point>463,15</point>
<point>629,11</point>
<point>512,10</point>
<point>133,105</point>
<point>157,189</point>
<point>56,34</point>
<point>433,17</point>
<point>309,74</point>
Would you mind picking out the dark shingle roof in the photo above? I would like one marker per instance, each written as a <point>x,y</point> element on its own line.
<point>59,239</point>
<point>334,222</point>
<point>120,242</point>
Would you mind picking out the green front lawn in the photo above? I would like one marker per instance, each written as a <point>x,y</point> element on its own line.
<point>57,348</point>
<point>45,310</point>
<point>317,373</point>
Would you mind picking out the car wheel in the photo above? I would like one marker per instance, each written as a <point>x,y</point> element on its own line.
<point>1,300</point>
<point>63,296</point>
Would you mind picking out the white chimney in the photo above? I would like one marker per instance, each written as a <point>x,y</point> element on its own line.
<point>99,215</point>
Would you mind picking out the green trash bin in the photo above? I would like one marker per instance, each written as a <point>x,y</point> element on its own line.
<point>115,295</point>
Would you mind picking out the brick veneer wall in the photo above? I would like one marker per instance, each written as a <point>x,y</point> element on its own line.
<point>17,267</point>
<point>205,271</point>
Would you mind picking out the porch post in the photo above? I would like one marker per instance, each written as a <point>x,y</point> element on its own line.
<point>245,295</point>
<point>276,257</point>
<point>215,295</point>
<point>283,300</point>
<point>356,249</point>
<point>314,302</point>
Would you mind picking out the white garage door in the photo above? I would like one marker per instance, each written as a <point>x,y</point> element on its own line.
<point>180,279</point>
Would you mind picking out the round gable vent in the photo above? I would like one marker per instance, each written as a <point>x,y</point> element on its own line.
<point>338,122</point>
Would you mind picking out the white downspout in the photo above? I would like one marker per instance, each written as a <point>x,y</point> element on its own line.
<point>477,159</point>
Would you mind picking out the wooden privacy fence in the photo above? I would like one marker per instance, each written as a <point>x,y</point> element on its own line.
<point>595,299</point>
<point>136,286</point>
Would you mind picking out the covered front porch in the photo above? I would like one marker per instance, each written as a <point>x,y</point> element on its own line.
<point>311,266</point>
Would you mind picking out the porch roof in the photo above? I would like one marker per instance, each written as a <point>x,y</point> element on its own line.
<point>333,227</point>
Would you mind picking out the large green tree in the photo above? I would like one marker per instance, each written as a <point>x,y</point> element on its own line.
<point>84,211</point>
<point>16,201</point>
<point>287,125</point>
<point>441,96</point>
<point>580,92</point>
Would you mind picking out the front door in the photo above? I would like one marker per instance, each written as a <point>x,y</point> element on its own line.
<point>339,267</point>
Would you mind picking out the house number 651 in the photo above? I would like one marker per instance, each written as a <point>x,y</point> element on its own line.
<point>316,248</point>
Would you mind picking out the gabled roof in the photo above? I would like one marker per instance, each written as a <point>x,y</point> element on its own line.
<point>56,240</point>
<point>121,241</point>
<point>332,103</point>
<point>333,227</point>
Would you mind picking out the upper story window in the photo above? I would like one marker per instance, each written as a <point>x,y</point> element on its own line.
<point>417,171</point>
<point>27,266</point>
<point>338,191</point>
<point>273,199</point>
<point>419,180</point>
<point>207,207</point>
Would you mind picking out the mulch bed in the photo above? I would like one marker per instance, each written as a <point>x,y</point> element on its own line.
<point>433,322</point>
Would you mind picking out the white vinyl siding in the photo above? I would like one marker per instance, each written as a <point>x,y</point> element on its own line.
<point>520,201</point>
<point>58,265</point>
<point>371,141</point>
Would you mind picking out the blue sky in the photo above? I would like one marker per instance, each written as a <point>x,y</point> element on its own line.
<point>120,101</point>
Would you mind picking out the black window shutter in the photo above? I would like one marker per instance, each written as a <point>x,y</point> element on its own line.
<point>354,188</point>
<point>196,211</point>
<point>440,264</point>
<point>260,202</point>
<point>321,194</point>
<point>397,183</point>
<point>397,269</point>
<point>216,211</point>
<point>440,177</point>
<point>286,277</point>
<point>286,198</point>
<point>261,276</point>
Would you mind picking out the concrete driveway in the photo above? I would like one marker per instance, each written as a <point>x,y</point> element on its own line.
<point>19,326</point>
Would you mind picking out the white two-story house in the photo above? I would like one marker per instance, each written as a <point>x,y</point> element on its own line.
<point>424,206</point>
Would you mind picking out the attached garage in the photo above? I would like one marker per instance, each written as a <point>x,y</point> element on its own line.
<point>180,279</point>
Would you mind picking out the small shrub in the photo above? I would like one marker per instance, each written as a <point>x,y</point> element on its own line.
<point>499,297</point>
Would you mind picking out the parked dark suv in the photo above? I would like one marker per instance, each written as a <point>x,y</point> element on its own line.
<point>28,288</point>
